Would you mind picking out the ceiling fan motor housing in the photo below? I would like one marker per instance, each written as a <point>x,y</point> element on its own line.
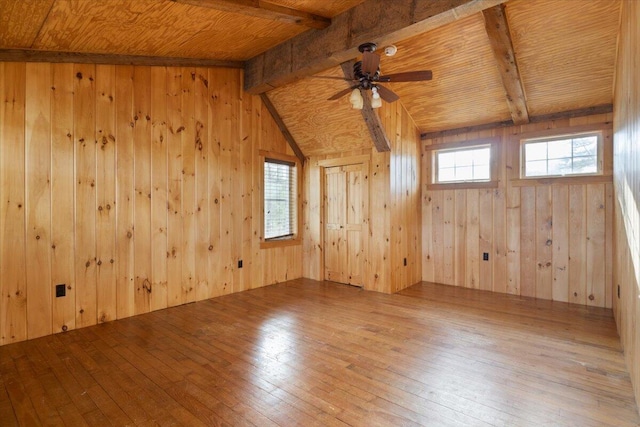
<point>367,47</point>
<point>365,79</point>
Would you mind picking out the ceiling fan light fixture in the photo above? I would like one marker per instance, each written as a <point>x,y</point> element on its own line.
<point>356,100</point>
<point>376,101</point>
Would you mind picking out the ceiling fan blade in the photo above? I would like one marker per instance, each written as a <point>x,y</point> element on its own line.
<point>409,76</point>
<point>332,78</point>
<point>342,93</point>
<point>387,94</point>
<point>370,62</point>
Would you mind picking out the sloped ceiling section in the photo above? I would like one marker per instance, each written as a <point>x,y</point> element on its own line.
<point>320,126</point>
<point>566,51</point>
<point>466,89</point>
<point>565,58</point>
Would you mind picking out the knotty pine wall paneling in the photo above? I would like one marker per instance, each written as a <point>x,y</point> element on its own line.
<point>404,187</point>
<point>84,110</point>
<point>106,192</point>
<point>627,190</point>
<point>174,191</point>
<point>38,197</point>
<point>545,239</point>
<point>12,209</point>
<point>124,260</point>
<point>201,145</point>
<point>188,159</point>
<point>142,189</point>
<point>393,223</point>
<point>62,195</point>
<point>159,189</point>
<point>134,186</point>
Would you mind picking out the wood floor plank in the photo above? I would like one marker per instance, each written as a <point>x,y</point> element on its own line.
<point>7,414</point>
<point>322,354</point>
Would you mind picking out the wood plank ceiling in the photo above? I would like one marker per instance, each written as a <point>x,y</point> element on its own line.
<point>517,60</point>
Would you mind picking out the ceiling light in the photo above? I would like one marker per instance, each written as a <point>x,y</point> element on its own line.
<point>376,102</point>
<point>357,103</point>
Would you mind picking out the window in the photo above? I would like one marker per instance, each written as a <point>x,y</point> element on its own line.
<point>470,164</point>
<point>280,198</point>
<point>464,164</point>
<point>577,154</point>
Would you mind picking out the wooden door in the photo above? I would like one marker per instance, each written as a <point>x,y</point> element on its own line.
<point>344,212</point>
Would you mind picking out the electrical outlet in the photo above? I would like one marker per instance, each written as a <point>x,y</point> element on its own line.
<point>485,256</point>
<point>239,263</point>
<point>61,290</point>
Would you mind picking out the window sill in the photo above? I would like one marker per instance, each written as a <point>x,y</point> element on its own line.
<point>463,185</point>
<point>280,243</point>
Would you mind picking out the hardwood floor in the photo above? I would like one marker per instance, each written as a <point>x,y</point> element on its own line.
<point>317,353</point>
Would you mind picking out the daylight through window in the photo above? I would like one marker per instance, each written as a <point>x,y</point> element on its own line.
<point>472,164</point>
<point>566,155</point>
<point>279,199</point>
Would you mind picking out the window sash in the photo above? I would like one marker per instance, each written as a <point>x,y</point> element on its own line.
<point>280,199</point>
<point>460,165</point>
<point>565,155</point>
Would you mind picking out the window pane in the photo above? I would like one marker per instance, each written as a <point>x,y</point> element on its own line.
<point>482,172</point>
<point>279,199</point>
<point>447,160</point>
<point>536,168</point>
<point>464,164</point>
<point>585,164</point>
<point>482,156</point>
<point>464,157</point>
<point>559,149</point>
<point>559,166</point>
<point>536,151</point>
<point>563,156</point>
<point>585,146</point>
<point>447,174</point>
<point>464,173</point>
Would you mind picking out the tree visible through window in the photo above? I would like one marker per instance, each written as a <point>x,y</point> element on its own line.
<point>279,199</point>
<point>567,155</point>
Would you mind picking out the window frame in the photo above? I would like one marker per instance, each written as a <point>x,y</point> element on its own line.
<point>294,239</point>
<point>494,163</point>
<point>560,136</point>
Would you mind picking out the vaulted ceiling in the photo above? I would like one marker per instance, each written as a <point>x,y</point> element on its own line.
<point>493,61</point>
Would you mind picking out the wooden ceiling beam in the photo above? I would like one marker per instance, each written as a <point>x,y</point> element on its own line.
<point>561,115</point>
<point>27,55</point>
<point>380,21</point>
<point>374,124</point>
<point>264,10</point>
<point>282,126</point>
<point>497,27</point>
<point>370,116</point>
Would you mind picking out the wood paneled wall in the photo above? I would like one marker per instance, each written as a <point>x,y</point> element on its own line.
<point>404,196</point>
<point>627,189</point>
<point>393,220</point>
<point>136,187</point>
<point>545,239</point>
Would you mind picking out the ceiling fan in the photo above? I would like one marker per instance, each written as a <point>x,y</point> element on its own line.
<point>366,76</point>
